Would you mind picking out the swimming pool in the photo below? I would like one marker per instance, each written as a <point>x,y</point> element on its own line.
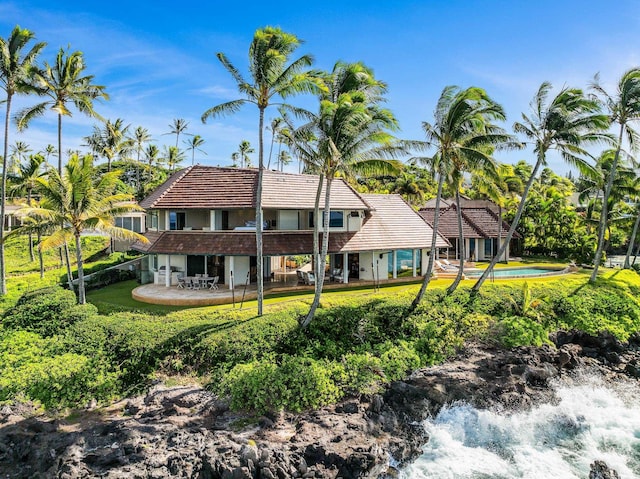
<point>520,272</point>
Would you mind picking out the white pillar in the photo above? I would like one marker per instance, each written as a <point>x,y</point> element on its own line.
<point>231,261</point>
<point>167,272</point>
<point>413,262</point>
<point>205,265</point>
<point>394,262</point>
<point>345,268</point>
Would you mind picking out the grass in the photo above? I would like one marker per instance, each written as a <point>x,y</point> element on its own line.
<point>117,297</point>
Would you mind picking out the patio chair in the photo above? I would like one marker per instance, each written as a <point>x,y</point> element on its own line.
<point>300,275</point>
<point>309,278</point>
<point>214,283</point>
<point>336,275</point>
<point>181,281</point>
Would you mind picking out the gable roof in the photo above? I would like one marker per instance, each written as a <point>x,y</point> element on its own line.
<point>478,221</point>
<point>199,187</point>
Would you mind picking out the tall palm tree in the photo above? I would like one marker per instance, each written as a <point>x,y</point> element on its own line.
<point>18,153</point>
<point>137,140</point>
<point>178,127</point>
<point>351,136</point>
<point>16,69</point>
<point>173,157</point>
<point>564,124</point>
<point>110,140</point>
<point>81,200</point>
<point>464,137</point>
<point>235,156</point>
<point>244,148</point>
<point>274,128</point>
<point>25,183</point>
<point>194,144</point>
<point>48,151</point>
<point>272,76</point>
<point>284,158</point>
<point>64,82</point>
<point>623,108</point>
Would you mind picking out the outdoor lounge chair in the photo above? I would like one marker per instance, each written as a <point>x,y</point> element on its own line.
<point>337,276</point>
<point>181,281</point>
<point>309,278</point>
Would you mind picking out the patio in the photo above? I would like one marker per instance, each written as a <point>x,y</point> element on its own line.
<point>282,283</point>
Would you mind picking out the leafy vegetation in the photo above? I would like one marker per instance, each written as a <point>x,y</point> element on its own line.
<point>59,355</point>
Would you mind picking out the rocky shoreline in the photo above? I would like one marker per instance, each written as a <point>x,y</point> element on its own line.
<point>186,432</point>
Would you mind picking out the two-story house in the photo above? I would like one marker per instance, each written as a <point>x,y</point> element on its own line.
<point>202,221</point>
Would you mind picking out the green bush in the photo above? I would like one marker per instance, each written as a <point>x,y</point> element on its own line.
<point>518,331</point>
<point>398,360</point>
<point>47,311</point>
<point>296,384</point>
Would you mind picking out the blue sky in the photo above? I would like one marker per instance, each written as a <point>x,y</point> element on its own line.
<point>158,62</point>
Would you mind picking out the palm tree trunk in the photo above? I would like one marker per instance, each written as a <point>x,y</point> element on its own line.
<point>259,215</point>
<point>456,281</point>
<point>3,200</point>
<point>500,227</point>
<point>31,255</point>
<point>605,208</point>
<point>68,263</point>
<point>81,292</point>
<point>627,258</point>
<point>322,260</point>
<point>316,251</point>
<point>59,144</point>
<point>40,259</point>
<point>271,149</point>
<point>512,229</point>
<point>434,241</point>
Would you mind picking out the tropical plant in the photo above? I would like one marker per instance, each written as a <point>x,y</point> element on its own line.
<point>284,158</point>
<point>272,76</point>
<point>178,127</point>
<point>25,183</point>
<point>276,124</point>
<point>137,140</point>
<point>351,136</point>
<point>464,138</point>
<point>244,148</point>
<point>173,157</point>
<point>64,82</point>
<point>110,141</point>
<point>80,200</point>
<point>564,124</point>
<point>623,109</point>
<point>48,151</point>
<point>17,67</point>
<point>19,152</point>
<point>194,144</point>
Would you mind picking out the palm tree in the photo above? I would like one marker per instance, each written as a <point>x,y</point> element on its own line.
<point>351,134</point>
<point>272,76</point>
<point>25,183</point>
<point>178,127</point>
<point>48,151</point>
<point>80,200</point>
<point>623,108</point>
<point>152,152</point>
<point>18,152</point>
<point>564,124</point>
<point>173,157</point>
<point>284,158</point>
<point>464,138</point>
<point>64,82</point>
<point>110,141</point>
<point>16,68</point>
<point>194,144</point>
<point>137,140</point>
<point>276,124</point>
<point>235,156</point>
<point>244,148</point>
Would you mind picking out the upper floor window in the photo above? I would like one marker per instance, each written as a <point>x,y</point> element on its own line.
<point>129,223</point>
<point>336,219</point>
<point>177,220</point>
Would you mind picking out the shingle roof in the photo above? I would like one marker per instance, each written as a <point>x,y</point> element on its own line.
<point>200,187</point>
<point>393,224</point>
<point>477,221</point>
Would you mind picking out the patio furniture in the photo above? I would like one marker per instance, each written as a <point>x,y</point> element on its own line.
<point>300,275</point>
<point>309,278</point>
<point>181,281</point>
<point>336,275</point>
<point>214,283</point>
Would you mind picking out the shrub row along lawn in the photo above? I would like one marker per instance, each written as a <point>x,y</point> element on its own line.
<point>60,354</point>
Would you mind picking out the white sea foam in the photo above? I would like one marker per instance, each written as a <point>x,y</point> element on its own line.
<point>593,420</point>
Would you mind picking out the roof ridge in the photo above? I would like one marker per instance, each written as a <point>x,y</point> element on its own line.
<point>359,195</point>
<point>175,180</point>
<point>472,223</point>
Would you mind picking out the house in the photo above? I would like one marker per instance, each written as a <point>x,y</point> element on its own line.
<point>202,221</point>
<point>481,226</point>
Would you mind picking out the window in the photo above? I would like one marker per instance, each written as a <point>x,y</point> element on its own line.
<point>177,220</point>
<point>336,219</point>
<point>311,219</point>
<point>152,220</point>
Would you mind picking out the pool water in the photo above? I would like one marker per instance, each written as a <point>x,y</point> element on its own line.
<point>516,272</point>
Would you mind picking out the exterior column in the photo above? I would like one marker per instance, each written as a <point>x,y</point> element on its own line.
<point>395,263</point>
<point>205,265</point>
<point>167,272</point>
<point>231,261</point>
<point>413,262</point>
<point>345,268</point>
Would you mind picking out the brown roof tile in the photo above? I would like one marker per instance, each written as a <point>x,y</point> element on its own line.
<point>212,187</point>
<point>478,221</point>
